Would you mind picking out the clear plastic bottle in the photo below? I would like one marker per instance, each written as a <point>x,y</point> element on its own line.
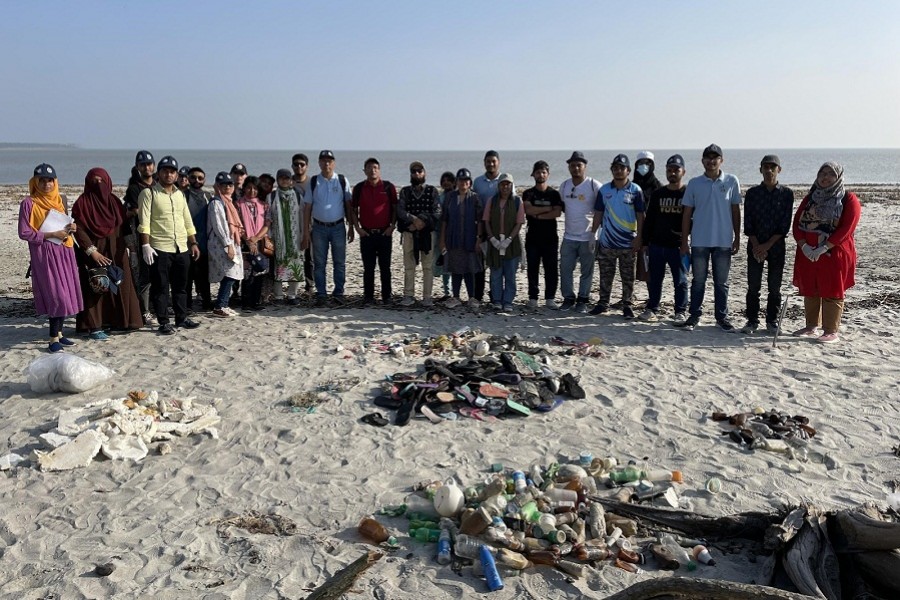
<point>495,505</point>
<point>469,547</point>
<point>680,554</point>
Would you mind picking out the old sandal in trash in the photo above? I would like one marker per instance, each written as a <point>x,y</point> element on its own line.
<point>374,419</point>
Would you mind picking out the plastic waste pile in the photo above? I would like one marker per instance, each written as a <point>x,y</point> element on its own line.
<point>120,429</point>
<point>485,386</point>
<point>65,373</point>
<point>518,519</point>
<point>769,430</point>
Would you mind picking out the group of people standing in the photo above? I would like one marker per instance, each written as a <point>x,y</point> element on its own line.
<point>138,261</point>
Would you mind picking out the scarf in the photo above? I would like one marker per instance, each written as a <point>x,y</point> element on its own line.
<point>825,205</point>
<point>42,204</point>
<point>282,203</point>
<point>253,215</point>
<point>97,208</point>
<point>234,220</point>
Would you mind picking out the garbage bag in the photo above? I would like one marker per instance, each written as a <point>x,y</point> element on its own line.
<point>65,373</point>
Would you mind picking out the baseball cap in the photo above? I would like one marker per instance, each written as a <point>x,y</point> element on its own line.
<point>644,155</point>
<point>239,169</point>
<point>541,164</point>
<point>506,177</point>
<point>770,159</point>
<point>222,177</point>
<point>168,162</point>
<point>621,159</point>
<point>676,160</point>
<point>416,166</point>
<point>281,173</point>
<point>713,149</point>
<point>577,157</point>
<point>183,171</point>
<point>45,171</point>
<point>464,174</point>
<point>327,154</point>
<point>142,158</point>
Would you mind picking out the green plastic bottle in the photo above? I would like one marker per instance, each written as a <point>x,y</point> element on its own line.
<point>626,474</point>
<point>424,534</point>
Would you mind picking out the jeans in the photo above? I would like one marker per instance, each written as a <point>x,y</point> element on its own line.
<point>503,280</point>
<point>661,256</point>
<point>544,251</point>
<point>721,265</point>
<point>336,236</point>
<point>775,258</point>
<point>572,252</point>
<point>375,247</point>
<point>168,278</point>
<point>224,295</point>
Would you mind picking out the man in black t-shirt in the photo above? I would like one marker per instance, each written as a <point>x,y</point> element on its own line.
<point>543,205</point>
<point>662,239</point>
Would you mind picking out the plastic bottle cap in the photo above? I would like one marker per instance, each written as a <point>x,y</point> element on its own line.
<point>677,477</point>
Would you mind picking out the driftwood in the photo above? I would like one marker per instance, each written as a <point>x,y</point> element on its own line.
<point>857,532</point>
<point>708,589</point>
<point>882,569</point>
<point>341,581</point>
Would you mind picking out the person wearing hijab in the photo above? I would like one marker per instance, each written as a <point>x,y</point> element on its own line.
<point>100,215</point>
<point>54,272</point>
<point>286,230</point>
<point>255,221</point>
<point>825,262</point>
<point>462,229</point>
<point>224,232</point>
<point>645,178</point>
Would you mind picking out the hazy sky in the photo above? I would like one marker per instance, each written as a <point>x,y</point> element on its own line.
<point>460,75</point>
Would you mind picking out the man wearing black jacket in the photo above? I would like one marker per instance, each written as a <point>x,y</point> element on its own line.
<point>662,240</point>
<point>418,213</point>
<point>141,178</point>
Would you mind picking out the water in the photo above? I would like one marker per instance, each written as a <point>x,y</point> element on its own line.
<point>800,166</point>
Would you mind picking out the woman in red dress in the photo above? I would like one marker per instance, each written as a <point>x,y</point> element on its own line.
<point>825,263</point>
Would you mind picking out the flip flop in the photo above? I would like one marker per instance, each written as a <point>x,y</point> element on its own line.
<point>549,406</point>
<point>374,419</point>
<point>493,391</point>
<point>388,402</point>
<point>476,413</point>
<point>517,409</point>
<point>445,396</point>
<point>430,414</point>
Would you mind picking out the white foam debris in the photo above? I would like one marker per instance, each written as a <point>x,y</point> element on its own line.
<point>77,453</point>
<point>9,461</point>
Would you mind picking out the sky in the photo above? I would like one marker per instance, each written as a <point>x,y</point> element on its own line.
<point>516,75</point>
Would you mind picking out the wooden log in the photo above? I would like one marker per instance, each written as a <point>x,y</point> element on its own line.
<point>800,562</point>
<point>853,531</point>
<point>341,581</point>
<point>881,570</point>
<point>689,588</point>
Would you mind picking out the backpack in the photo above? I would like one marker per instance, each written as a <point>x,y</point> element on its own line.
<point>315,178</point>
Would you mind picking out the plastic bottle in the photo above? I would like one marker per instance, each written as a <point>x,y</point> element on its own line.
<point>495,505</point>
<point>443,553</point>
<point>626,474</point>
<point>473,523</point>
<point>547,521</point>
<point>660,475</point>
<point>493,486</point>
<point>561,495</point>
<point>597,520</point>
<point>701,554</point>
<point>372,530</point>
<point>544,557</point>
<point>418,524</point>
<point>519,482</point>
<point>589,553</point>
<point>420,505</point>
<point>511,559</point>
<point>530,512</point>
<point>491,575</point>
<point>469,547</point>
<point>504,571</point>
<point>678,552</point>
<point>614,535</point>
<point>571,568</point>
<point>424,534</point>
<point>534,473</point>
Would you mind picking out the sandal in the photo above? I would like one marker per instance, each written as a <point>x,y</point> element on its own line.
<point>374,419</point>
<point>388,402</point>
<point>570,386</point>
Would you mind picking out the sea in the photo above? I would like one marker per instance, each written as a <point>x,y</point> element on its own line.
<point>861,165</point>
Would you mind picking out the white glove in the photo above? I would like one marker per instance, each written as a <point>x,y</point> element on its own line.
<point>495,243</point>
<point>506,243</point>
<point>148,252</point>
<point>809,252</point>
<point>818,252</point>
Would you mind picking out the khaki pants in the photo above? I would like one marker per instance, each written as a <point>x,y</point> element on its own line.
<point>824,311</point>
<point>409,269</point>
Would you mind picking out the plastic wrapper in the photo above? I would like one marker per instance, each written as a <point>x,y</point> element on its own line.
<point>65,373</point>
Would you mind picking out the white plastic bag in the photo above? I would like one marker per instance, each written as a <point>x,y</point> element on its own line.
<point>65,373</point>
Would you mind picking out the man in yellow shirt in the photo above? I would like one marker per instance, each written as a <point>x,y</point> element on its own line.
<point>167,245</point>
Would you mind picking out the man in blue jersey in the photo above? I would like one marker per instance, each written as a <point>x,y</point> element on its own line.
<point>712,219</point>
<point>619,208</point>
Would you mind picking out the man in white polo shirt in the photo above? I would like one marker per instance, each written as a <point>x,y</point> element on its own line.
<point>579,193</point>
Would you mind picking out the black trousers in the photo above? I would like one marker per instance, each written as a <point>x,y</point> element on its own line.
<point>775,260</point>
<point>544,251</point>
<point>308,269</point>
<point>252,295</point>
<point>376,247</point>
<point>198,277</point>
<point>168,275</point>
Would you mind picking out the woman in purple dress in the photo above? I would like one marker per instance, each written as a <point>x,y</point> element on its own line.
<point>54,272</point>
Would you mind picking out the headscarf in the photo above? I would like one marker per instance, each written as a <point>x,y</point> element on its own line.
<point>98,208</point>
<point>253,214</point>
<point>825,204</point>
<point>43,203</point>
<point>234,220</point>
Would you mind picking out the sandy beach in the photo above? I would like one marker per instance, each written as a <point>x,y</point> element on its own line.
<point>649,394</point>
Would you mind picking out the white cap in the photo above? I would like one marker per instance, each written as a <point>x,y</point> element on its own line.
<point>644,154</point>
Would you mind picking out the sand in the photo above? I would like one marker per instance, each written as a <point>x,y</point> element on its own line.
<point>649,396</point>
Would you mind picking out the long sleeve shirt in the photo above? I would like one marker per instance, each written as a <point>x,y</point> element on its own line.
<point>165,218</point>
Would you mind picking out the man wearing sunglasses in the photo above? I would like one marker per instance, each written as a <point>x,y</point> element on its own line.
<point>299,165</point>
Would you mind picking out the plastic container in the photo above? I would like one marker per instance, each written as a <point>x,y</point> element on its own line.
<point>475,522</point>
<point>495,505</point>
<point>372,530</point>
<point>561,495</point>
<point>494,582</point>
<point>443,554</point>
<point>449,500</point>
<point>519,482</point>
<point>585,459</point>
<point>469,547</point>
<point>701,554</point>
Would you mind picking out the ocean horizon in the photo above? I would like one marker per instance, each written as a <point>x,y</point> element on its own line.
<point>861,165</point>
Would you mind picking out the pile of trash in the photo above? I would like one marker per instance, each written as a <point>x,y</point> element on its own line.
<point>120,429</point>
<point>769,430</point>
<point>485,386</point>
<point>516,519</point>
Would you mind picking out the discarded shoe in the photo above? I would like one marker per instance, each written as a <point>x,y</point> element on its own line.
<point>375,419</point>
<point>388,402</point>
<point>571,387</point>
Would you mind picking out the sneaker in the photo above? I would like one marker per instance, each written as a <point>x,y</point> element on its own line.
<point>98,335</point>
<point>827,338</point>
<point>649,316</point>
<point>750,327</point>
<point>188,324</point>
<point>339,299</point>
<point>407,301</point>
<point>166,329</point>
<point>628,313</point>
<point>725,325</point>
<point>293,302</point>
<point>453,302</point>
<point>568,304</point>
<point>150,319</point>
<point>66,341</point>
<point>321,301</point>
<point>496,306</point>
<point>599,309</point>
<point>427,302</point>
<point>387,301</point>
<point>231,312</point>
<point>222,313</point>
<point>581,308</point>
<point>54,347</point>
<point>689,323</point>
<point>368,301</point>
<point>532,303</point>
<point>551,304</point>
<point>680,317</point>
<point>474,303</point>
<point>806,332</point>
<point>507,307</point>
<point>772,327</point>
